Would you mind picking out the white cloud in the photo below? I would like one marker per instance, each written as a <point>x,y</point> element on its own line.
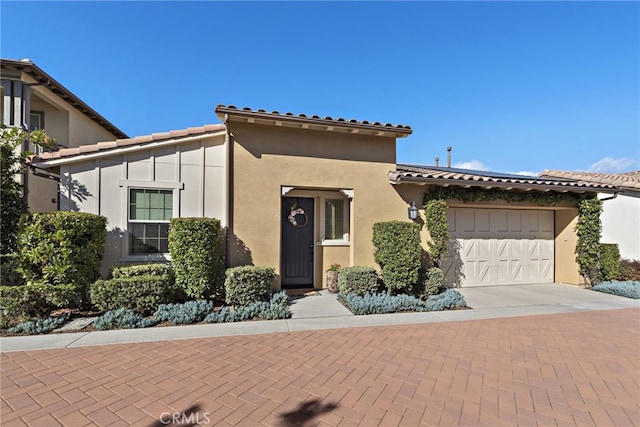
<point>611,165</point>
<point>472,164</point>
<point>526,173</point>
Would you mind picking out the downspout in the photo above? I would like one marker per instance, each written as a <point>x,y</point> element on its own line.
<point>610,198</point>
<point>228,187</point>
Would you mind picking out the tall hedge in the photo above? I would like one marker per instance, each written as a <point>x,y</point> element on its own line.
<point>589,229</point>
<point>398,252</point>
<point>62,247</point>
<point>197,247</point>
<point>609,261</point>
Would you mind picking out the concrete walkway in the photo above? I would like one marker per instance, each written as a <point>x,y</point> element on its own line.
<point>323,311</point>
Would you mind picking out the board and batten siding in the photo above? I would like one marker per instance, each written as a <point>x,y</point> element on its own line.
<point>194,170</point>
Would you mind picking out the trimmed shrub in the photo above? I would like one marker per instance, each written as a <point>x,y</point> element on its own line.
<point>35,299</point>
<point>627,289</point>
<point>432,279</point>
<point>142,294</point>
<point>9,274</point>
<point>197,247</point>
<point>39,326</point>
<point>183,314</point>
<point>609,261</point>
<point>136,270</point>
<point>276,308</point>
<point>629,270</point>
<point>62,247</point>
<point>447,300</point>
<point>122,318</point>
<point>398,252</point>
<point>357,280</point>
<point>247,284</point>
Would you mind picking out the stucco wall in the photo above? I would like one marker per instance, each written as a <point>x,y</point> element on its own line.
<point>196,170</point>
<point>621,224</point>
<point>266,158</point>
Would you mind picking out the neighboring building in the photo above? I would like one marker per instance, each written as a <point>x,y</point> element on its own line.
<point>32,99</point>
<point>141,183</point>
<point>621,214</point>
<point>299,193</point>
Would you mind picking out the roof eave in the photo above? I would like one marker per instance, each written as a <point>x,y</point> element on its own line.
<point>251,116</point>
<point>81,157</point>
<point>396,179</point>
<point>58,89</point>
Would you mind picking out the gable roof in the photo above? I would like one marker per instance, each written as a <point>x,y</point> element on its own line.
<point>303,121</point>
<point>445,176</point>
<point>628,181</point>
<point>32,70</point>
<point>101,149</point>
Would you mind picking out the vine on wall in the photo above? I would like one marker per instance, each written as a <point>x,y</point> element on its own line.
<point>475,194</point>
<point>589,229</point>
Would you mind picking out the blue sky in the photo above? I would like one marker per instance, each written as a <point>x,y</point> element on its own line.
<point>511,86</point>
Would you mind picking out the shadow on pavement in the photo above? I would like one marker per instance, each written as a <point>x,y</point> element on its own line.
<point>305,412</point>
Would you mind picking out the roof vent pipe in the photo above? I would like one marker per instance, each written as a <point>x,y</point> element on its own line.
<point>437,161</point>
<point>448,157</point>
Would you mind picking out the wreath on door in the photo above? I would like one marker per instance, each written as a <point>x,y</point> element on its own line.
<point>293,213</point>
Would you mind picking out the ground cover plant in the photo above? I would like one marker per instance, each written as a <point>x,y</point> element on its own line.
<point>39,326</point>
<point>196,311</point>
<point>628,289</point>
<point>380,303</point>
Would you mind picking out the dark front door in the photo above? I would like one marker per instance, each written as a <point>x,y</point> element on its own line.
<point>297,242</point>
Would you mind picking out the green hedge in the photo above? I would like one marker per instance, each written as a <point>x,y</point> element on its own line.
<point>9,274</point>
<point>357,280</point>
<point>197,247</point>
<point>609,261</point>
<point>432,279</point>
<point>35,299</point>
<point>62,247</point>
<point>398,252</point>
<point>142,294</point>
<point>137,270</point>
<point>248,284</point>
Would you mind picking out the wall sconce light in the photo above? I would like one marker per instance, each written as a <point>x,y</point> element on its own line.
<point>413,211</point>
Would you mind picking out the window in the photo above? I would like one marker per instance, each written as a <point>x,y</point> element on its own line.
<point>36,120</point>
<point>149,213</point>
<point>336,223</point>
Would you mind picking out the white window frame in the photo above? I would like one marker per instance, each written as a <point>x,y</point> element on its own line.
<point>127,186</point>
<point>346,221</point>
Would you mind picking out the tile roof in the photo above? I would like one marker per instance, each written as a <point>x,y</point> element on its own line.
<point>32,70</point>
<point>328,121</point>
<point>129,142</point>
<point>627,181</point>
<point>473,178</point>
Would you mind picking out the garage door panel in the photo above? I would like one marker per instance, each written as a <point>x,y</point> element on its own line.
<point>501,247</point>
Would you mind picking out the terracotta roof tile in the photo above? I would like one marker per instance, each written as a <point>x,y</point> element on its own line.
<point>626,180</point>
<point>453,176</point>
<point>401,130</point>
<point>119,143</point>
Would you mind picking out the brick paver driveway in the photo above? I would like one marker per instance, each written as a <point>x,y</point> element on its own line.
<point>567,369</point>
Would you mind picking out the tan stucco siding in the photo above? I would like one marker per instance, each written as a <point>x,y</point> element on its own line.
<point>566,240</point>
<point>267,158</point>
<point>195,171</point>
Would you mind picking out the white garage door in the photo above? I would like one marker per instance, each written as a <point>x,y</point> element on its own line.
<point>500,247</point>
